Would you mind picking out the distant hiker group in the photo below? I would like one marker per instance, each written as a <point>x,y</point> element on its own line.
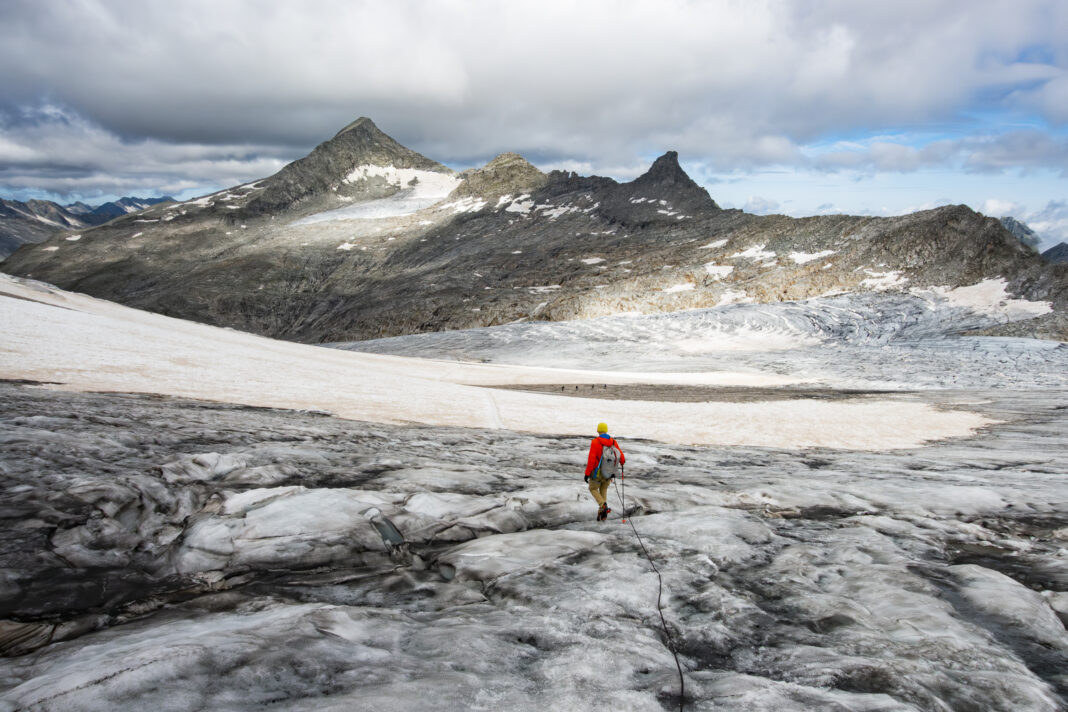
<point>604,463</point>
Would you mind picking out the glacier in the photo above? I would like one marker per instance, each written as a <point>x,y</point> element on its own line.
<point>197,522</point>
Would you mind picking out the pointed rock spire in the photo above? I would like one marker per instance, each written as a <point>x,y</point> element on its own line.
<point>666,180</point>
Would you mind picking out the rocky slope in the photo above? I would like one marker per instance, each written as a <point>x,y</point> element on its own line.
<point>365,238</point>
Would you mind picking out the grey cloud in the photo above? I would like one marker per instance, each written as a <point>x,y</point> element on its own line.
<point>600,83</point>
<point>1018,149</point>
<point>979,154</point>
<point>56,153</point>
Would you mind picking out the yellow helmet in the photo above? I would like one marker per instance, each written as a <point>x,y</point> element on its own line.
<point>602,427</point>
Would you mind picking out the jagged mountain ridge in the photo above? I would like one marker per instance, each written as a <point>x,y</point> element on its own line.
<point>35,220</point>
<point>123,206</point>
<point>366,238</point>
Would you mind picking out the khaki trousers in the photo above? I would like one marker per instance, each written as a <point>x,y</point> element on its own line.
<point>599,489</point>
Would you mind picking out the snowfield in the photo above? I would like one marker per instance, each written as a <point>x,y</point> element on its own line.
<point>858,509</point>
<point>417,190</point>
<point>125,350</point>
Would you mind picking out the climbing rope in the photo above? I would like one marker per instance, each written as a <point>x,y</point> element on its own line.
<point>660,589</point>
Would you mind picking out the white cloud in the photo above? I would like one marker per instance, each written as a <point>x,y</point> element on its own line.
<point>760,206</point>
<point>1050,222</point>
<point>996,207</point>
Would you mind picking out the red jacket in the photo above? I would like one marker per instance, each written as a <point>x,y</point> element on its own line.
<point>598,444</point>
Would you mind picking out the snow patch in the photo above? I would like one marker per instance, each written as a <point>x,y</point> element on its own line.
<point>732,296</point>
<point>713,245</point>
<point>803,257</point>
<point>553,212</point>
<point>757,253</point>
<point>592,260</point>
<point>880,281</point>
<point>684,287</point>
<point>417,190</point>
<point>718,272</point>
<point>520,205</point>
<point>464,205</point>
<point>989,297</point>
<point>74,238</point>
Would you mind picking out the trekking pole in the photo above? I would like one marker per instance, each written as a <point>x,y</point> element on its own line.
<point>623,496</point>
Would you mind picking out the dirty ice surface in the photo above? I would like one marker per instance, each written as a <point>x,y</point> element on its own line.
<point>892,341</point>
<point>166,553</point>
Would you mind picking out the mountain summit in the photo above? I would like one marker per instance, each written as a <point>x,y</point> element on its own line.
<point>329,167</point>
<point>507,174</point>
<point>666,179</point>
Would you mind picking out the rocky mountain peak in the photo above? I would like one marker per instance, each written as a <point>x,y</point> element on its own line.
<point>507,174</point>
<point>666,169</point>
<point>361,124</point>
<point>325,170</point>
<point>666,179</point>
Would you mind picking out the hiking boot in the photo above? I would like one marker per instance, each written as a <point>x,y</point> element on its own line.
<point>602,513</point>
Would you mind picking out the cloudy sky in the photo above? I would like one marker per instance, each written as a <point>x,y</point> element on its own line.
<point>775,106</point>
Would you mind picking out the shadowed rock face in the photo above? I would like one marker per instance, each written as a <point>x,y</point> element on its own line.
<point>321,252</point>
<point>1057,253</point>
<point>666,179</point>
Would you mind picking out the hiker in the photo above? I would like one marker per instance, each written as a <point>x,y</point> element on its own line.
<point>605,461</point>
